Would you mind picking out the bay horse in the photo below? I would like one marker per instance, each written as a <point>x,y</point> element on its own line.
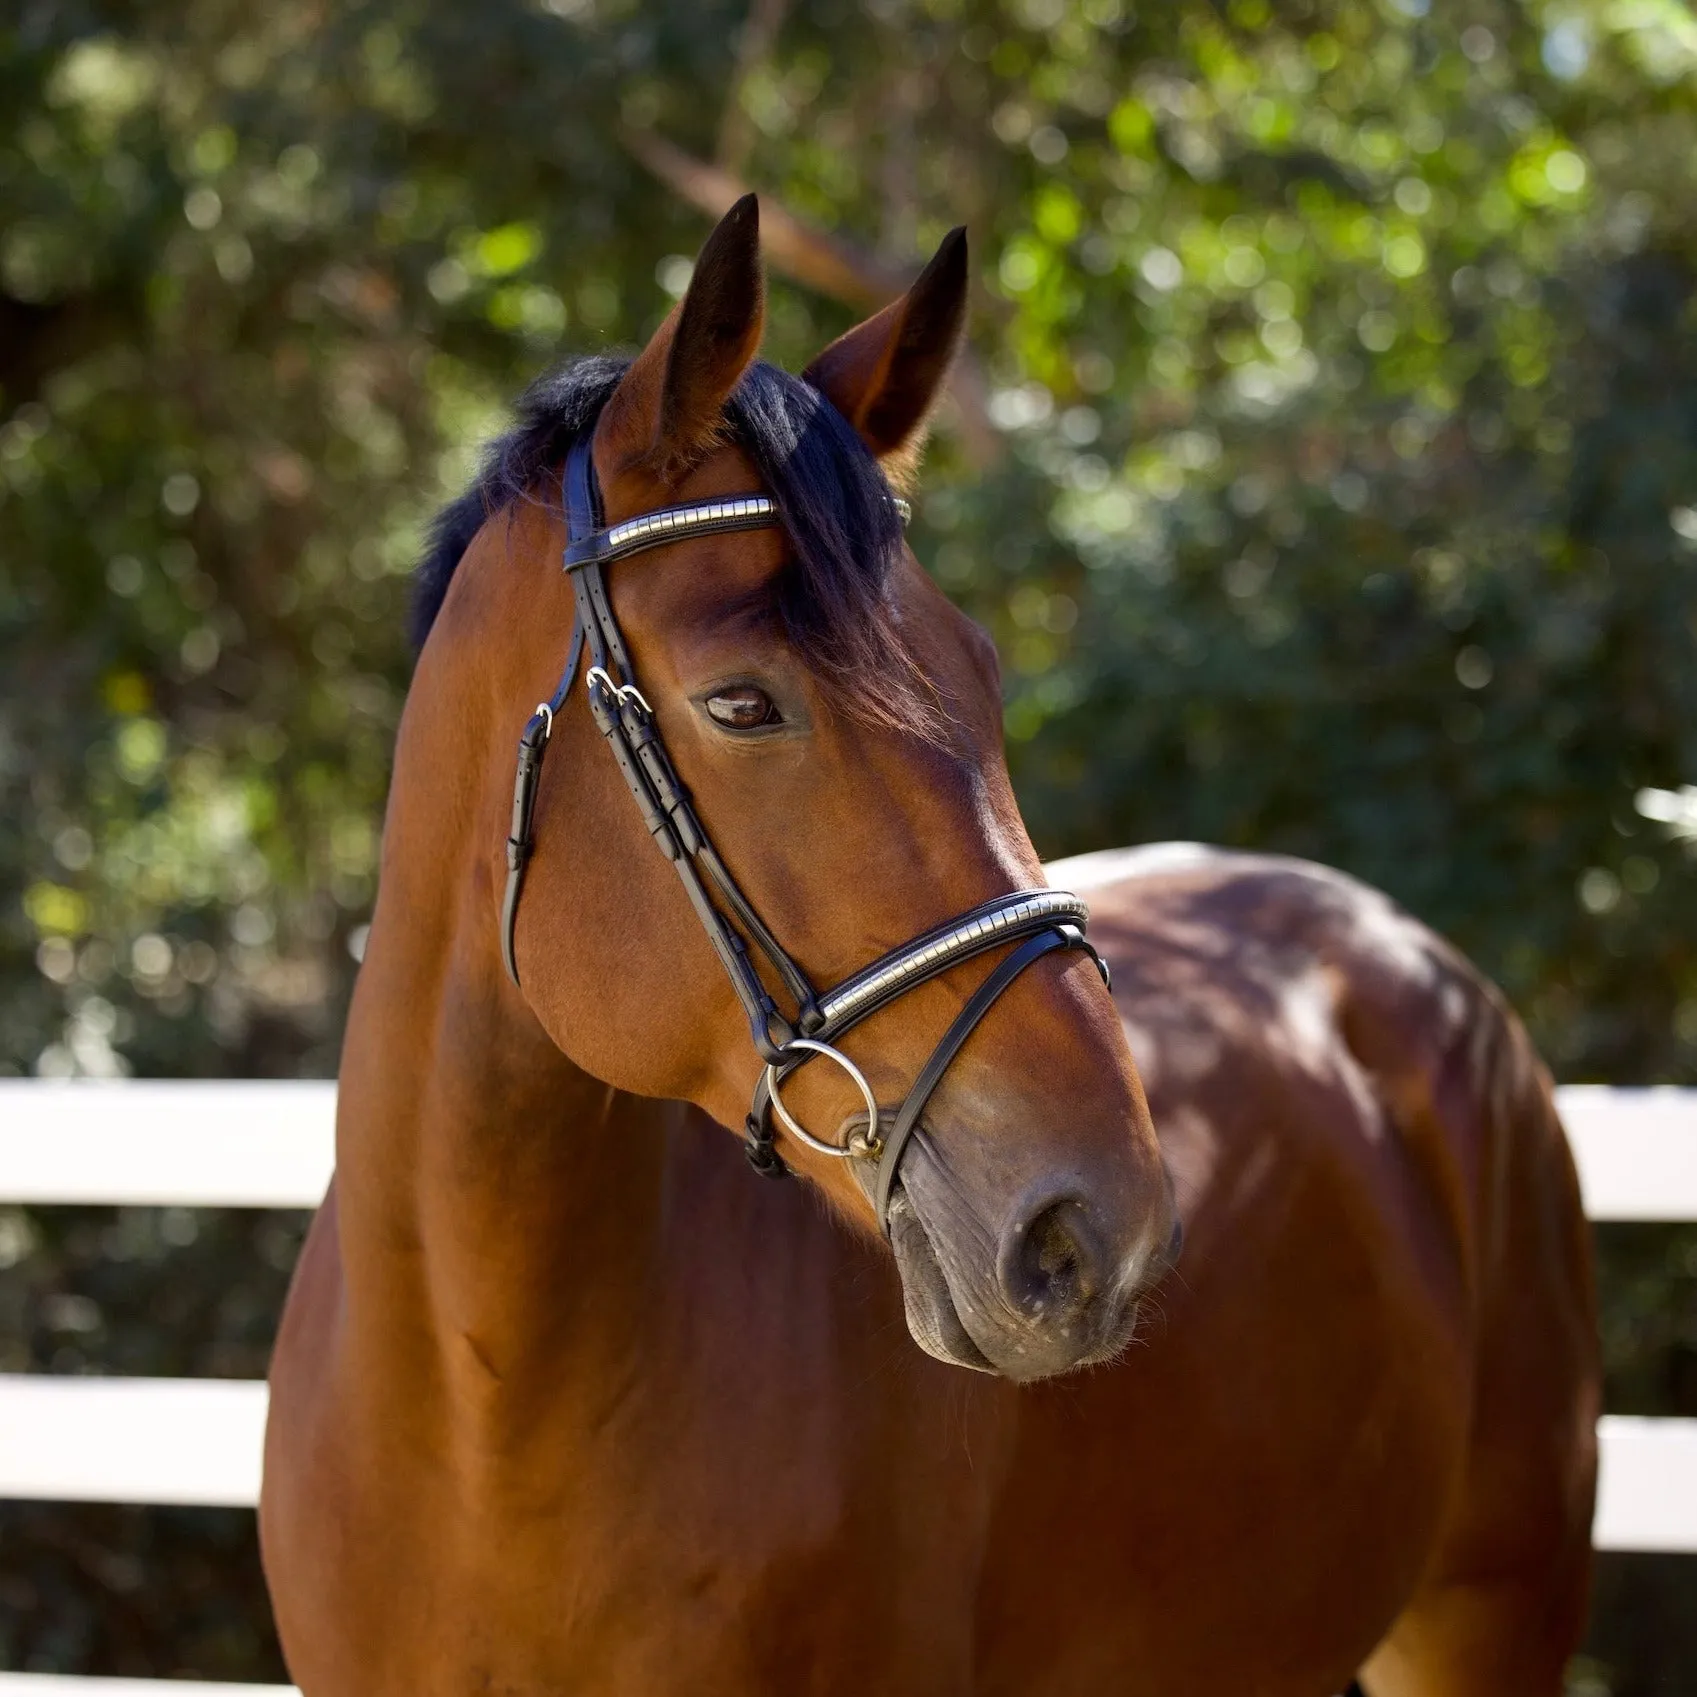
<point>565,1400</point>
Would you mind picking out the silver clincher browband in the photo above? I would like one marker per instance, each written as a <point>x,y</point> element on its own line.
<point>675,524</point>
<point>1037,921</point>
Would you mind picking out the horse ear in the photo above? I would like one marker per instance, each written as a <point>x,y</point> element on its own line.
<point>667,408</point>
<point>885,375</point>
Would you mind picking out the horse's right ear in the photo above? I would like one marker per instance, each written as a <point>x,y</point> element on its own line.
<point>667,408</point>
<point>885,375</point>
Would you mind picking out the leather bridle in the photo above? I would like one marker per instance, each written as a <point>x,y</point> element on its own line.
<point>1039,920</point>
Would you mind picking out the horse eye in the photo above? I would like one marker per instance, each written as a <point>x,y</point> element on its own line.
<point>744,708</point>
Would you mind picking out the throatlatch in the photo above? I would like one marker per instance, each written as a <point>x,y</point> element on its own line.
<point>1039,921</point>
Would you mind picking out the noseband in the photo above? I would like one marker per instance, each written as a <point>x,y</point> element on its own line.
<point>1039,921</point>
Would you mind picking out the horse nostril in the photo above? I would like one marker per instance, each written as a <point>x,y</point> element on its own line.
<point>1052,1266</point>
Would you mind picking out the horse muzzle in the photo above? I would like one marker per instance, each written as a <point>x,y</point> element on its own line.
<point>1052,1288</point>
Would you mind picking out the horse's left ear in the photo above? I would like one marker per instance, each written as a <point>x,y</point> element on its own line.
<point>885,375</point>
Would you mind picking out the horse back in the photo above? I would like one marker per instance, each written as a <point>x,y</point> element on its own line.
<point>1297,1012</point>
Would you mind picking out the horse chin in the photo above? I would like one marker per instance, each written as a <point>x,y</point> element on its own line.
<point>932,1317</point>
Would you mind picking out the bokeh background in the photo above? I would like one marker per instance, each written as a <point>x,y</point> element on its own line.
<point>1325,467</point>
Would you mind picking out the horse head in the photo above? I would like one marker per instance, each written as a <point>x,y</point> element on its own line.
<point>834,725</point>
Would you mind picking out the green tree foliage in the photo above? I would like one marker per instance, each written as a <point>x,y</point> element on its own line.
<point>1340,354</point>
<point>1348,504</point>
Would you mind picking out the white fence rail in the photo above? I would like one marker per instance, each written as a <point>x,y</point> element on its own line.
<point>194,1442</point>
<point>199,1145</point>
<point>271,1145</point>
<point>197,1442</point>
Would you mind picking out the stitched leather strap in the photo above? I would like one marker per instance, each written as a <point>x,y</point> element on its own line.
<point>521,839</point>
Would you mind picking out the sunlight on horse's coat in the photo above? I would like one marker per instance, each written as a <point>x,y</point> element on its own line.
<point>1359,1428</point>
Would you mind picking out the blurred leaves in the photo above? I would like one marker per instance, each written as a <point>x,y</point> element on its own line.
<point>1344,358</point>
<point>149,1592</point>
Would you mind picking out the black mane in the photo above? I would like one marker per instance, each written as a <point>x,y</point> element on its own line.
<point>844,532</point>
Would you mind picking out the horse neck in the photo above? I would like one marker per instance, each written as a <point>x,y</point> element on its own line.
<point>491,1196</point>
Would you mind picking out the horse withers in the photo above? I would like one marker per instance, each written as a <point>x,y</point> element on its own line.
<point>566,1400</point>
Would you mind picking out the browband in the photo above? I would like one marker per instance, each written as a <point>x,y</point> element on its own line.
<point>673,524</point>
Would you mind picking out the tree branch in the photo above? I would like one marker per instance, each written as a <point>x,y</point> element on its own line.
<point>833,267</point>
<point>759,37</point>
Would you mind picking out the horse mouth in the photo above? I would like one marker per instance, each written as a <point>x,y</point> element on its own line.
<point>932,1316</point>
<point>1031,1314</point>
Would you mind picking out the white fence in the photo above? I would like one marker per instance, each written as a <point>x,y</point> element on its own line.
<point>270,1145</point>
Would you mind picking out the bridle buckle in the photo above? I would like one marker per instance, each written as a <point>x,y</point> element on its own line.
<point>598,677</point>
